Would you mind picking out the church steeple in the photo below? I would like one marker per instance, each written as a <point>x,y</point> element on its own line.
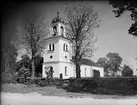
<point>58,26</point>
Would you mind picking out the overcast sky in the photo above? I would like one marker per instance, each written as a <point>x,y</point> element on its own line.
<point>112,34</point>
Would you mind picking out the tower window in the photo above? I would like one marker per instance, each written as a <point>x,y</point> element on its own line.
<point>65,70</point>
<point>65,47</point>
<point>51,47</point>
<point>62,30</point>
<point>54,30</point>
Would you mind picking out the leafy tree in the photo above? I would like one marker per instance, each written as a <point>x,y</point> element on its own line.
<point>114,62</point>
<point>123,6</point>
<point>127,71</point>
<point>38,65</point>
<point>9,52</point>
<point>81,20</point>
<point>8,62</point>
<point>24,62</point>
<point>102,61</point>
<point>33,34</point>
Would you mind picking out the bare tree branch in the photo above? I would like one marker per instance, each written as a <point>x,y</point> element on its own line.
<point>32,35</point>
<point>81,20</point>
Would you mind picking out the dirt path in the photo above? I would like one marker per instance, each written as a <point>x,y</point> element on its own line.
<point>38,99</point>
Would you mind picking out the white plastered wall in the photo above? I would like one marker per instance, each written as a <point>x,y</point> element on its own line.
<point>100,69</point>
<point>55,69</point>
<point>69,70</point>
<point>86,71</point>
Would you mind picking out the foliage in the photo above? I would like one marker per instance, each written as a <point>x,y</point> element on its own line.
<point>123,6</point>
<point>127,71</point>
<point>111,63</point>
<point>38,65</point>
<point>41,82</point>
<point>9,54</point>
<point>102,61</point>
<point>23,74</point>
<point>24,62</point>
<point>9,77</point>
<point>81,20</point>
<point>33,38</point>
<point>113,86</point>
<point>114,62</point>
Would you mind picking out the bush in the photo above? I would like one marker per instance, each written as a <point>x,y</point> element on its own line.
<point>82,85</point>
<point>23,74</point>
<point>9,77</point>
<point>43,82</point>
<point>115,86</point>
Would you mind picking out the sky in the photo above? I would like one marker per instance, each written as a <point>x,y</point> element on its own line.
<point>112,34</point>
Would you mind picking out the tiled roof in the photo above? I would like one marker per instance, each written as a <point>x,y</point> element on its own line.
<point>86,62</point>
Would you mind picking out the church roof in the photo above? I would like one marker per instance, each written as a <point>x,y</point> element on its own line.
<point>54,37</point>
<point>87,62</point>
<point>57,19</point>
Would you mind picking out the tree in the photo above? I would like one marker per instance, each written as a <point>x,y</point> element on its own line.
<point>81,20</point>
<point>123,6</point>
<point>9,52</point>
<point>33,33</point>
<point>8,62</point>
<point>114,62</point>
<point>102,61</point>
<point>127,71</point>
<point>38,65</point>
<point>24,62</point>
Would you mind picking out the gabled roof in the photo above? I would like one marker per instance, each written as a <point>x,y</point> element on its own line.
<point>85,62</point>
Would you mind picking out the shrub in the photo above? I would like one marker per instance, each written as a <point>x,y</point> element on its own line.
<point>9,77</point>
<point>23,74</point>
<point>43,82</point>
<point>119,86</point>
<point>82,85</point>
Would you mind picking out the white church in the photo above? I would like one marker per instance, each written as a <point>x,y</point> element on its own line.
<point>58,58</point>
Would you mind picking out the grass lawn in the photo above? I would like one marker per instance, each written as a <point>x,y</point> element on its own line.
<point>53,91</point>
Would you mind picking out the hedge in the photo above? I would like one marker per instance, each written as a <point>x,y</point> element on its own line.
<point>113,86</point>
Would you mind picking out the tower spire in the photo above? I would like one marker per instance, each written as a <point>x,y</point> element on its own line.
<point>57,14</point>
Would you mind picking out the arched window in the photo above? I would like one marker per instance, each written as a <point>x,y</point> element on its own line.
<point>65,70</point>
<point>54,30</point>
<point>51,47</point>
<point>65,47</point>
<point>62,30</point>
<point>85,71</point>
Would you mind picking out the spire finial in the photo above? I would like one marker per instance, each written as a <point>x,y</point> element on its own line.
<point>57,14</point>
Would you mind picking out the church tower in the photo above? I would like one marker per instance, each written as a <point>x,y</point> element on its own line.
<point>57,54</point>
